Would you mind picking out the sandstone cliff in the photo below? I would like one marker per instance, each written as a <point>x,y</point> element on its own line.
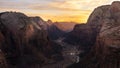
<point>23,43</point>
<point>54,32</point>
<point>40,22</point>
<point>105,21</point>
<point>82,36</point>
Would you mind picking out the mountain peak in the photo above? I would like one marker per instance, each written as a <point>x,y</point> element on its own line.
<point>115,6</point>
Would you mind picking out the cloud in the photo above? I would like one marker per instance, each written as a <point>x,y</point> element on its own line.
<point>57,10</point>
<point>64,5</point>
<point>70,5</point>
<point>85,4</point>
<point>13,5</point>
<point>60,6</point>
<point>40,7</point>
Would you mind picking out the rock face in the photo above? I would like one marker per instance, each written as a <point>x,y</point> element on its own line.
<point>54,32</point>
<point>105,20</point>
<point>23,43</point>
<point>81,35</point>
<point>49,22</point>
<point>39,21</point>
<point>59,29</point>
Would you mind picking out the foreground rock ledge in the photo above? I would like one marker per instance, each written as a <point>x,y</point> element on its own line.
<point>23,43</point>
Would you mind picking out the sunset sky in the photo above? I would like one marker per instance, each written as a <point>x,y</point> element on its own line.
<point>56,10</point>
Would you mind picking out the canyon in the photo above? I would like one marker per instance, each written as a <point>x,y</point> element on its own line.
<point>31,42</point>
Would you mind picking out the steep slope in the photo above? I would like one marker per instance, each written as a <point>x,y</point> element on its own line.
<point>49,22</point>
<point>23,42</point>
<point>91,28</point>
<point>59,29</point>
<point>54,32</point>
<point>106,51</point>
<point>81,35</point>
<point>39,21</point>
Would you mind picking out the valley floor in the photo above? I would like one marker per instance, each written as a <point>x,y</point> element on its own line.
<point>70,54</point>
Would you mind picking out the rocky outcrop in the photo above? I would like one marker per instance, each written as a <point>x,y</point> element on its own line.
<point>91,28</point>
<point>23,43</point>
<point>106,51</point>
<point>54,32</point>
<point>81,35</point>
<point>39,21</point>
<point>88,32</point>
<point>49,22</point>
<point>59,29</point>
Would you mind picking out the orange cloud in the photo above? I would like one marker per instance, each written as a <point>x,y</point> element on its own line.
<point>67,16</point>
<point>51,7</point>
<point>71,16</point>
<point>56,10</point>
<point>62,11</point>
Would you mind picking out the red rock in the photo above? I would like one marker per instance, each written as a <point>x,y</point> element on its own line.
<point>115,7</point>
<point>22,42</point>
<point>106,51</point>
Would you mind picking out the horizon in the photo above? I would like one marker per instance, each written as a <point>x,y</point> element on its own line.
<point>76,11</point>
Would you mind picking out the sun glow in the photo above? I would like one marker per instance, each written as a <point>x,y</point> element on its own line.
<point>71,16</point>
<point>56,10</point>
